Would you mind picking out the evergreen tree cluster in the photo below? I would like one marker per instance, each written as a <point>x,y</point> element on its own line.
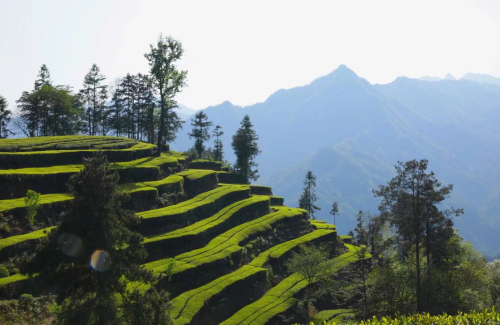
<point>138,106</point>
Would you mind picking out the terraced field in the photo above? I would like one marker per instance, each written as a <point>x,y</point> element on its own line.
<point>220,240</point>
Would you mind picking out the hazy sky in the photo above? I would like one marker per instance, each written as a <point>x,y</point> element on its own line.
<point>243,51</point>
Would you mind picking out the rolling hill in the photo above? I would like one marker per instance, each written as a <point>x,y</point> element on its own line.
<point>351,133</point>
<point>227,241</point>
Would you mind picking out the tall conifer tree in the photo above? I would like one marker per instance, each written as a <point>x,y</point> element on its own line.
<point>218,147</point>
<point>308,197</point>
<point>246,149</point>
<point>200,125</point>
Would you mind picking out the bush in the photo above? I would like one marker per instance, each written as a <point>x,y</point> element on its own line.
<point>4,272</point>
<point>32,201</point>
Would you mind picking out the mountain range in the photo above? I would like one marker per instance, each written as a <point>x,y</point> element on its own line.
<point>351,133</point>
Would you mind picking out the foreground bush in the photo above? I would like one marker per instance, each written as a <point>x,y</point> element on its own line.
<point>474,318</point>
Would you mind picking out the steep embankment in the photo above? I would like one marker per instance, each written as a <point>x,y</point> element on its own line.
<point>219,240</point>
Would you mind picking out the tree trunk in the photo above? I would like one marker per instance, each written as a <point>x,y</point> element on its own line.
<point>417,246</point>
<point>162,121</point>
<point>428,253</point>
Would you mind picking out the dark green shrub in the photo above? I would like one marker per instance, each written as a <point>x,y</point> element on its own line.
<point>4,272</point>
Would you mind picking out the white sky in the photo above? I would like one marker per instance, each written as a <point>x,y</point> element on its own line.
<point>243,51</point>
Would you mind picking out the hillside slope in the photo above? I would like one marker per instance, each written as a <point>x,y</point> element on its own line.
<point>224,240</point>
<point>351,133</point>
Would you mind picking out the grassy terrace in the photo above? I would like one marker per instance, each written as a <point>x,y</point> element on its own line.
<point>188,305</point>
<point>170,184</point>
<point>321,224</point>
<point>8,205</point>
<point>198,180</point>
<point>280,251</point>
<point>64,150</point>
<point>226,244</point>
<point>196,235</point>
<point>281,297</point>
<point>334,315</point>
<point>53,179</point>
<point>60,142</point>
<point>206,203</point>
<point>206,164</point>
<point>12,245</point>
<point>191,303</point>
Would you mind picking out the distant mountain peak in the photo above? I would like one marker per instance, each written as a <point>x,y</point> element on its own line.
<point>449,76</point>
<point>427,78</point>
<point>481,78</point>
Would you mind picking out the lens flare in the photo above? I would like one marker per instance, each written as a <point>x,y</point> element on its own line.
<point>100,260</point>
<point>70,244</point>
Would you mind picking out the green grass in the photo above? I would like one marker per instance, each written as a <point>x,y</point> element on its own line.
<point>197,233</point>
<point>281,297</point>
<point>53,179</point>
<point>7,205</point>
<point>12,279</point>
<point>334,315</point>
<point>193,207</point>
<point>186,306</point>
<point>206,164</point>
<point>230,178</point>
<point>159,162</point>
<point>9,246</point>
<point>226,244</point>
<point>261,190</point>
<point>66,150</point>
<point>277,200</point>
<point>189,304</point>
<point>321,224</point>
<point>169,184</point>
<point>279,251</point>
<point>474,318</point>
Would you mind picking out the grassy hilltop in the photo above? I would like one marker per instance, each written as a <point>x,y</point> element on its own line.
<point>228,241</point>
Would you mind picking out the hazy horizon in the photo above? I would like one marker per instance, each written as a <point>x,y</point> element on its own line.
<point>245,52</point>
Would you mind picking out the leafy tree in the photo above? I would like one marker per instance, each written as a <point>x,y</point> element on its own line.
<point>95,230</point>
<point>32,203</point>
<point>168,80</point>
<point>49,111</point>
<point>5,116</point>
<point>408,202</point>
<point>334,211</point>
<point>311,263</point>
<point>200,125</point>
<point>308,197</point>
<point>95,95</point>
<point>493,274</point>
<point>218,148</point>
<point>246,149</point>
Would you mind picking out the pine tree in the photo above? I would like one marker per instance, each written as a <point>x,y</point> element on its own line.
<point>361,232</point>
<point>168,80</point>
<point>93,94</point>
<point>43,77</point>
<point>335,210</point>
<point>200,125</point>
<point>246,149</point>
<point>5,116</point>
<point>308,197</point>
<point>218,147</point>
<point>96,231</point>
